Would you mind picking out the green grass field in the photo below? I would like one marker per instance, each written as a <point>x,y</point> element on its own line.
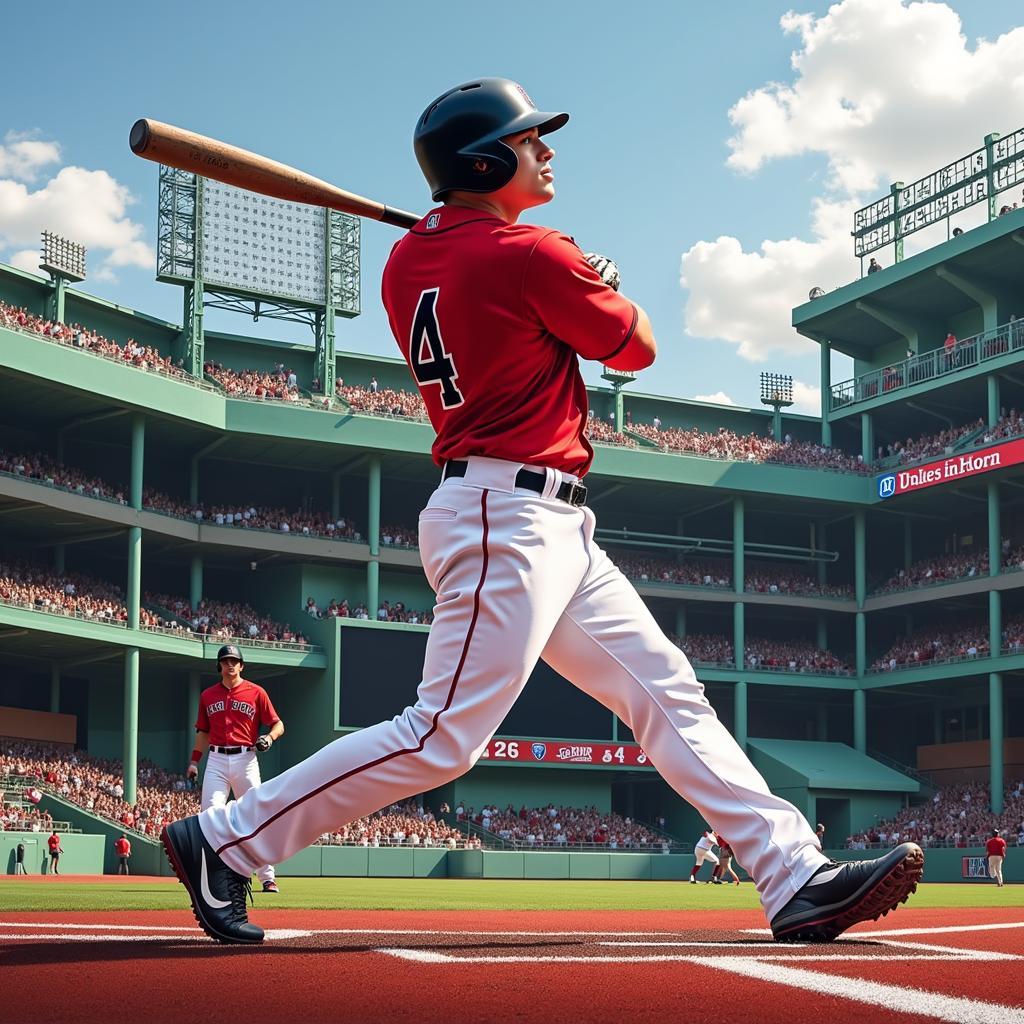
<point>453,894</point>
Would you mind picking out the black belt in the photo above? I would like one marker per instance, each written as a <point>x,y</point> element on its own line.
<point>230,750</point>
<point>572,493</point>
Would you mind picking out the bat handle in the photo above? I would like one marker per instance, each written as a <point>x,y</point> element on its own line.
<point>398,218</point>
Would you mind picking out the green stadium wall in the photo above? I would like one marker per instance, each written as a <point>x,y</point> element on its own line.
<point>83,854</point>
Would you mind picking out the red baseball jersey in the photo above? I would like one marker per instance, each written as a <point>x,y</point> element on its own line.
<point>491,318</point>
<point>54,843</point>
<point>996,846</point>
<point>122,847</point>
<point>233,716</point>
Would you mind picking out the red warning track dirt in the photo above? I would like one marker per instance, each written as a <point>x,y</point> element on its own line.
<point>523,967</point>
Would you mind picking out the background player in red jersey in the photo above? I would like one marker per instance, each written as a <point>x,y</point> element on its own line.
<point>492,317</point>
<point>123,849</point>
<point>725,857</point>
<point>228,725</point>
<point>995,847</point>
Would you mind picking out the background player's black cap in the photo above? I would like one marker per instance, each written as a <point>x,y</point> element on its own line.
<point>457,138</point>
<point>229,651</point>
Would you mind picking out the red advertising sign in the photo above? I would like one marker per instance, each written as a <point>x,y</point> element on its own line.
<point>955,467</point>
<point>604,755</point>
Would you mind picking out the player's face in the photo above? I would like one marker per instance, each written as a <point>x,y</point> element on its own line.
<point>230,668</point>
<point>534,182</point>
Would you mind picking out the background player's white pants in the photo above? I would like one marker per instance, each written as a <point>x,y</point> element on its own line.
<point>518,577</point>
<point>995,868</point>
<point>233,773</point>
<point>704,855</point>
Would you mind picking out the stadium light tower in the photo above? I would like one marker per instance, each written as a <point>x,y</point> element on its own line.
<point>64,261</point>
<point>618,380</point>
<point>777,391</point>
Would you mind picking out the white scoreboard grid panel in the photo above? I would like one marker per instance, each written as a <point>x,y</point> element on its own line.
<point>254,243</point>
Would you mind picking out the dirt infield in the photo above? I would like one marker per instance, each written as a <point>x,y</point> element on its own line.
<point>925,965</point>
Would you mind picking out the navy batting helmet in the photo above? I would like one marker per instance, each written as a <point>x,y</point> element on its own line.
<point>229,651</point>
<point>457,138</point>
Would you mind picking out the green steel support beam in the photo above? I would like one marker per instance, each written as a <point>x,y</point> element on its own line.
<point>191,709</point>
<point>138,460</point>
<point>777,424</point>
<point>861,651</point>
<point>895,323</point>
<point>860,721</point>
<point>195,581</point>
<point>995,621</point>
<point>738,635</point>
<point>867,438</point>
<point>976,293</point>
<point>681,620</point>
<point>373,530</point>
<point>55,686</point>
<point>618,409</point>
<point>737,545</point>
<point>57,298</point>
<point>192,335</point>
<point>134,575</point>
<point>995,541</point>
<point>740,706</point>
<point>992,382</point>
<point>130,724</point>
<point>996,728</point>
<point>826,391</point>
<point>860,573</point>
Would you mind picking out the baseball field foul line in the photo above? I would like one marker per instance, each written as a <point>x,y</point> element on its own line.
<point>891,997</point>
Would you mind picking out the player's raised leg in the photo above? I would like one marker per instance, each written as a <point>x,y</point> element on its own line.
<point>608,644</point>
<point>504,566</point>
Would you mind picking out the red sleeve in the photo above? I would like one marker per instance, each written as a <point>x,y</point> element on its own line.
<point>202,719</point>
<point>268,716</point>
<point>569,299</point>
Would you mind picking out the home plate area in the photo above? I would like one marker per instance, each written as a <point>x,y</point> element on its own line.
<point>600,966</point>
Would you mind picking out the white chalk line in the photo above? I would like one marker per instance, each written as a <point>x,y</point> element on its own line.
<point>919,1002</point>
<point>430,956</point>
<point>881,932</point>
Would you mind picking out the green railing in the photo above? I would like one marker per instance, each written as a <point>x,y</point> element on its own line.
<point>931,365</point>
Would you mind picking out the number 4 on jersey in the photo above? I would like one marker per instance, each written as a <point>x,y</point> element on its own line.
<point>431,364</point>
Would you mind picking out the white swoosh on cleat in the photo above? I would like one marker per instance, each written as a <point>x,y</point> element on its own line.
<point>204,889</point>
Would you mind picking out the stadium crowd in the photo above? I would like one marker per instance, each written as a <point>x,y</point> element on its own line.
<point>955,816</point>
<point>39,466</point>
<point>401,824</point>
<point>95,784</point>
<point>279,384</point>
<point>604,432</point>
<point>386,611</point>
<point>727,444</point>
<point>373,400</point>
<point>222,620</point>
<point>948,643</point>
<point>399,537</point>
<point>561,826</point>
<point>131,353</point>
<point>761,653</point>
<point>18,818</point>
<point>759,579</point>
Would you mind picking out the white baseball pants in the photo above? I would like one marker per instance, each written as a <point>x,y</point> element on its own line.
<point>995,868</point>
<point>233,773</point>
<point>701,855</point>
<point>518,577</point>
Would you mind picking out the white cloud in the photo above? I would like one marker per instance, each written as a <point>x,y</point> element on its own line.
<point>885,90</point>
<point>22,157</point>
<point>87,206</point>
<point>26,259</point>
<point>718,398</point>
<point>806,398</point>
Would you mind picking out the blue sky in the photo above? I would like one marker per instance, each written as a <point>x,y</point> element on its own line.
<point>641,168</point>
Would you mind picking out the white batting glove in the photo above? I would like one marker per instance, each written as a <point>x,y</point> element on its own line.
<point>192,771</point>
<point>606,269</point>
<point>264,742</point>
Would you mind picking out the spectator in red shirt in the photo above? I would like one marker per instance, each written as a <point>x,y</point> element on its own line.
<point>55,851</point>
<point>123,849</point>
<point>996,849</point>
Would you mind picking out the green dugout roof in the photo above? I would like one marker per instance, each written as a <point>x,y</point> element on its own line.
<point>790,763</point>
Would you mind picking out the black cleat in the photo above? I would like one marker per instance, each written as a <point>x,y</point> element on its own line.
<point>217,893</point>
<point>270,887</point>
<point>839,895</point>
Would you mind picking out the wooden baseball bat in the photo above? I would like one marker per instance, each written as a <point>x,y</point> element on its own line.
<point>176,147</point>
